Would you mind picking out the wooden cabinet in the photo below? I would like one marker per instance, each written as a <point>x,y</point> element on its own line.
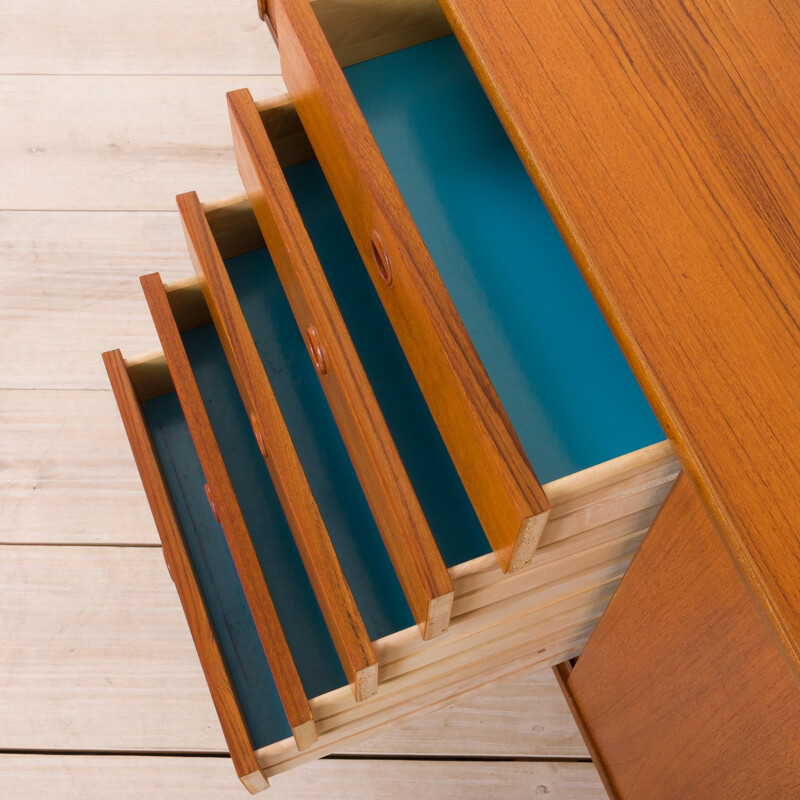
<point>393,447</point>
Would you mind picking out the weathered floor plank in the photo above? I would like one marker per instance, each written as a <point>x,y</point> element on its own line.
<point>110,110</point>
<point>30,777</point>
<point>149,37</point>
<point>522,717</point>
<point>95,655</point>
<point>122,142</point>
<point>66,471</point>
<point>69,288</point>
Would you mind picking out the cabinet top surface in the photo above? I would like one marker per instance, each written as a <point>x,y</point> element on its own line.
<point>665,139</point>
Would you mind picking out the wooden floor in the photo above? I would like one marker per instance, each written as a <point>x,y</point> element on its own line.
<point>109,110</point>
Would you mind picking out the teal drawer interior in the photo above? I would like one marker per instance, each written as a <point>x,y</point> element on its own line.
<point>568,390</point>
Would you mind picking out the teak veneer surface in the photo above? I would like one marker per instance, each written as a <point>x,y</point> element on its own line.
<point>680,688</point>
<point>305,629</point>
<point>459,536</point>
<point>664,139</point>
<point>551,358</point>
<point>482,221</point>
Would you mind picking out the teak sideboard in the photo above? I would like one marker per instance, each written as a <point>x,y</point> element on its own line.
<point>496,364</point>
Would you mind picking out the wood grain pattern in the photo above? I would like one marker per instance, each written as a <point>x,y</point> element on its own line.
<point>516,717</point>
<point>533,648</point>
<point>308,528</point>
<point>358,30</point>
<point>97,652</point>
<point>90,777</point>
<point>59,445</point>
<point>496,473</point>
<point>180,567</point>
<point>231,219</point>
<point>285,130</point>
<point>681,687</point>
<point>504,622</point>
<point>187,304</point>
<point>151,697</point>
<point>121,673</point>
<point>234,226</point>
<point>59,266</point>
<point>223,499</point>
<point>149,375</point>
<point>391,497</point>
<point>664,140</point>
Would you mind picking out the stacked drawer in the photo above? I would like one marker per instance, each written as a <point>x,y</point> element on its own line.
<point>337,439</point>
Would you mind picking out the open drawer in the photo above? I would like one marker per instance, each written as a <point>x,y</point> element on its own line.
<point>606,478</point>
<point>482,293</point>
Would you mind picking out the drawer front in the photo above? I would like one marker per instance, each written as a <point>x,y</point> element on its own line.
<point>226,510</point>
<point>493,466</point>
<point>212,660</point>
<point>302,513</point>
<point>381,473</point>
<point>297,500</point>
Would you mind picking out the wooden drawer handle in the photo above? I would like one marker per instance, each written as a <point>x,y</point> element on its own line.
<point>391,497</point>
<point>259,435</point>
<point>381,258</point>
<point>222,498</point>
<point>212,504</point>
<point>497,475</point>
<point>316,350</point>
